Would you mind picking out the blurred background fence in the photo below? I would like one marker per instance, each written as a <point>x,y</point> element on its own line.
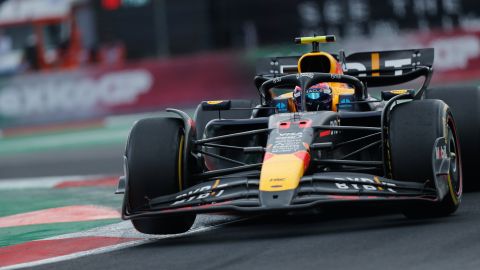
<point>77,60</point>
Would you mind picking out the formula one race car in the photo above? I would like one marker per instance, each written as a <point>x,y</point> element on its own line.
<point>316,137</point>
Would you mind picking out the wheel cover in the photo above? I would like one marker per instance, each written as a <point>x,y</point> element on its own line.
<point>453,150</point>
<point>179,162</point>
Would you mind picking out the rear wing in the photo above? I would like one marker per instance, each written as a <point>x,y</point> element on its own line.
<point>381,68</point>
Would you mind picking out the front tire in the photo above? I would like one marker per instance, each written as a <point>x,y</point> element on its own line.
<point>464,102</point>
<point>153,153</point>
<point>414,128</point>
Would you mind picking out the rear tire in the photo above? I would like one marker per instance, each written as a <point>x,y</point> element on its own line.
<point>153,154</point>
<point>414,128</point>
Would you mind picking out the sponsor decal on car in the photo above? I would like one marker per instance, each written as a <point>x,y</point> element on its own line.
<point>361,183</point>
<point>309,75</point>
<point>288,142</point>
<point>335,76</point>
<point>335,123</point>
<point>441,152</point>
<point>277,79</point>
<point>396,63</point>
<point>200,193</point>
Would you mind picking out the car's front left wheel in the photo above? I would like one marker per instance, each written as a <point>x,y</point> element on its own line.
<point>414,128</point>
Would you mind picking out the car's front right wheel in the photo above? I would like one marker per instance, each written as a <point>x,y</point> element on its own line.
<point>154,165</point>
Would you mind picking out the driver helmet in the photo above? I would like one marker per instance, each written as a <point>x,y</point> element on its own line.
<point>318,97</point>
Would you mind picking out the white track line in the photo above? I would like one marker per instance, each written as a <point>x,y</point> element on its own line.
<point>116,247</point>
<point>77,255</point>
<point>44,182</point>
<point>122,229</point>
<point>57,140</point>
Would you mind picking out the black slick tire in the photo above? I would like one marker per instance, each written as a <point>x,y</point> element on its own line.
<point>414,128</point>
<point>464,101</point>
<point>153,155</point>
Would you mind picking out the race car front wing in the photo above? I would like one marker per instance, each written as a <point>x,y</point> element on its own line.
<point>242,194</point>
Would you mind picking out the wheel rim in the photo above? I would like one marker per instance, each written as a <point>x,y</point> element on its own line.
<point>179,163</point>
<point>453,151</point>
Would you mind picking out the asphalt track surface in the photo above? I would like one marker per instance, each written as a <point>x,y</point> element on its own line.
<point>105,159</point>
<point>338,239</point>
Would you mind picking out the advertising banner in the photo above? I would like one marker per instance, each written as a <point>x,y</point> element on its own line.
<point>457,55</point>
<point>457,52</point>
<point>138,87</point>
